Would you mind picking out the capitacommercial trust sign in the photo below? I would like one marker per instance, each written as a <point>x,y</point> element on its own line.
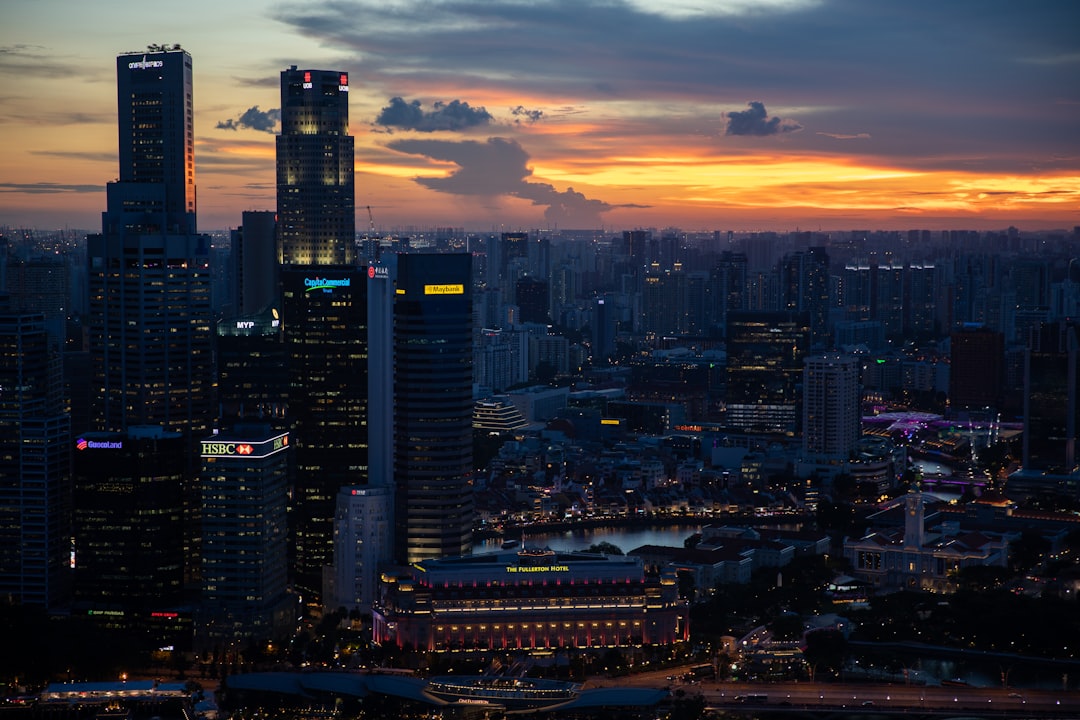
<point>325,284</point>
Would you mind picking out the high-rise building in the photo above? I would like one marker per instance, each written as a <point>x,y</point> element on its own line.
<point>433,406</point>
<point>831,420</point>
<point>150,319</point>
<point>255,262</point>
<point>363,533</point>
<point>977,368</point>
<point>251,361</point>
<point>326,340</point>
<point>315,185</point>
<point>1052,399</point>
<point>150,316</point>
<point>35,466</point>
<point>765,366</point>
<point>244,496</point>
<point>129,540</point>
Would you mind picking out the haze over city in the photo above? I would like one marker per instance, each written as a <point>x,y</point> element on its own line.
<point>505,115</point>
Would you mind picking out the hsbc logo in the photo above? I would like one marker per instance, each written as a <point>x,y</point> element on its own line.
<point>243,449</point>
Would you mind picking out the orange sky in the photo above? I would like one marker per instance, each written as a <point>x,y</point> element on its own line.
<point>800,113</point>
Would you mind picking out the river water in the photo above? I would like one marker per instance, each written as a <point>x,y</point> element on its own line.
<point>626,539</point>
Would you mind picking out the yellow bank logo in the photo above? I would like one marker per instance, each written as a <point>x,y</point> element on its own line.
<point>444,289</point>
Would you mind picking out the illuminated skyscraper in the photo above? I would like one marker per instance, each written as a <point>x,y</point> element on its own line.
<point>433,406</point>
<point>765,367</point>
<point>150,317</point>
<point>831,421</point>
<point>315,200</point>
<point>326,341</point>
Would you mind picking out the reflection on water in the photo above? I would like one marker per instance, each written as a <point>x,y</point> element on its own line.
<point>626,539</point>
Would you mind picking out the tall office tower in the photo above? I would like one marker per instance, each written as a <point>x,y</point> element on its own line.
<point>804,287</point>
<point>326,340</point>
<point>636,244</point>
<point>251,358</point>
<point>433,406</point>
<point>363,537</point>
<point>533,297</point>
<point>728,280</point>
<point>976,368</point>
<point>920,300</point>
<point>255,262</point>
<point>150,318</point>
<point>244,496</point>
<point>129,541</point>
<point>315,196</point>
<point>765,365</point>
<point>1051,401</point>
<point>35,466</point>
<point>831,421</point>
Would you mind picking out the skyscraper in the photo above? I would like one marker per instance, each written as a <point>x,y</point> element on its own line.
<point>35,466</point>
<point>326,344</point>
<point>765,366</point>
<point>315,196</point>
<point>831,421</point>
<point>150,318</point>
<point>244,575</point>
<point>433,406</point>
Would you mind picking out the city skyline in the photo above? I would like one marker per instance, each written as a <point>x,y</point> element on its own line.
<point>727,115</point>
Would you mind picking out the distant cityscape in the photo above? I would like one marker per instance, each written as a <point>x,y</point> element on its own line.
<point>214,442</point>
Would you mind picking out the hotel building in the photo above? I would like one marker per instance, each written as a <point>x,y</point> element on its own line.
<point>528,600</point>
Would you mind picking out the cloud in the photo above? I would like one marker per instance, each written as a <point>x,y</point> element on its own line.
<point>454,115</point>
<point>756,121</point>
<point>254,119</point>
<point>47,188</point>
<point>842,136</point>
<point>499,167</point>
<point>529,116</point>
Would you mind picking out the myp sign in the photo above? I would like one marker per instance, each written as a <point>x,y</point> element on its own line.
<point>325,284</point>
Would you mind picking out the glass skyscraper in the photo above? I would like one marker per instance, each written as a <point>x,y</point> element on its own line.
<point>315,196</point>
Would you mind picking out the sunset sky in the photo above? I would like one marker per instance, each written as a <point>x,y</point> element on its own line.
<point>617,114</point>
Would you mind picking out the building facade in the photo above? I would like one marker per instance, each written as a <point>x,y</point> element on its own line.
<point>433,406</point>
<point>530,600</point>
<point>315,186</point>
<point>363,533</point>
<point>35,466</point>
<point>244,558</point>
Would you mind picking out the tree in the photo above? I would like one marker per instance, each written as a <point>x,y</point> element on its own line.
<point>825,650</point>
<point>605,548</point>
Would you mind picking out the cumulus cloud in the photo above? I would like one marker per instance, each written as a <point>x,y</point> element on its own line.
<point>523,114</point>
<point>756,121</point>
<point>454,115</point>
<point>499,166</point>
<point>253,118</point>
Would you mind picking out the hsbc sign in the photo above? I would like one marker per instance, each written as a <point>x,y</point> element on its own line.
<point>239,448</point>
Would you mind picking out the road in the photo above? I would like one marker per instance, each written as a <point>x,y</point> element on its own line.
<point>885,696</point>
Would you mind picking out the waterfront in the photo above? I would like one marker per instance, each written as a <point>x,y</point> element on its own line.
<point>624,538</point>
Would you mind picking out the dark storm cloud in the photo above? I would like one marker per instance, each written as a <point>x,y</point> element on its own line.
<point>524,114</point>
<point>454,115</point>
<point>756,121</point>
<point>254,119</point>
<point>843,63</point>
<point>45,188</point>
<point>498,166</point>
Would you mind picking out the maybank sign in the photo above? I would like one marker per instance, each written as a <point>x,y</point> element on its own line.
<point>326,284</point>
<point>241,449</point>
<point>444,289</point>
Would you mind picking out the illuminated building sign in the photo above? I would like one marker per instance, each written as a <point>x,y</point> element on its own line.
<point>307,80</point>
<point>343,83</point>
<point>145,64</point>
<point>84,444</point>
<point>245,324</point>
<point>610,421</point>
<point>326,284</point>
<point>537,568</point>
<point>689,428</point>
<point>240,449</point>
<point>444,289</point>
<point>378,272</point>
